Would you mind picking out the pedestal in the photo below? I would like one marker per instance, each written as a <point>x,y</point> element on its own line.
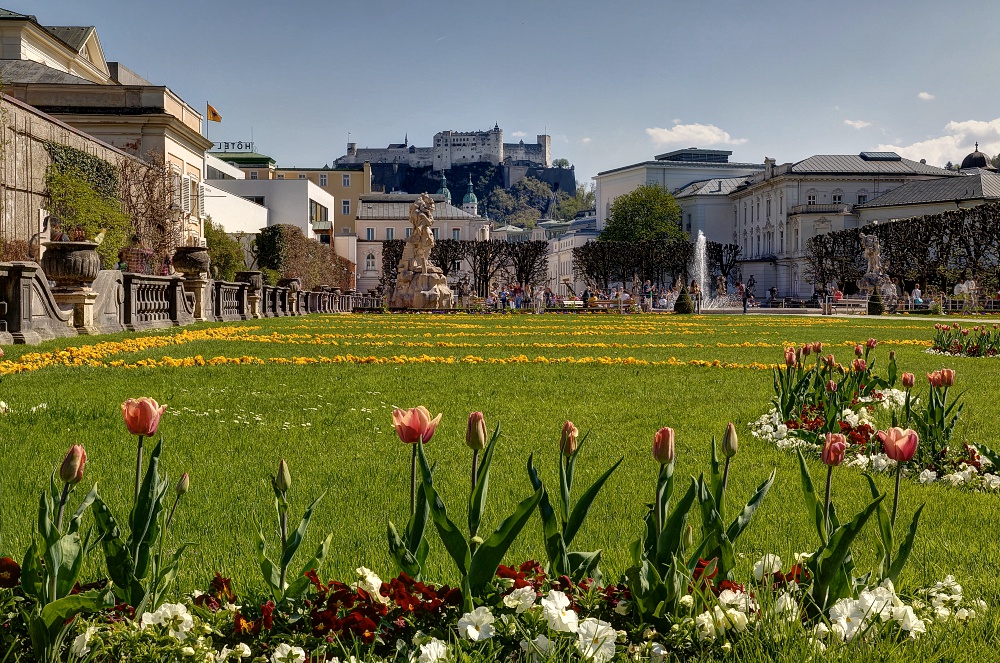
<point>82,302</point>
<point>202,299</point>
<point>253,302</point>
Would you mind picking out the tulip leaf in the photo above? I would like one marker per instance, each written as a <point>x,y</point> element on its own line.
<point>905,547</point>
<point>165,576</point>
<point>716,476</point>
<point>555,547</point>
<point>740,523</point>
<point>55,614</point>
<point>669,542</point>
<point>405,560</point>
<point>664,489</point>
<point>32,578</point>
<point>715,532</point>
<point>993,456</point>
<point>77,519</point>
<point>272,575</point>
<point>295,538</point>
<point>885,544</point>
<point>145,517</point>
<point>564,487</point>
<point>451,537</point>
<point>579,513</point>
<point>832,556</point>
<point>489,555</point>
<point>813,504</point>
<point>477,500</point>
<point>299,586</point>
<point>585,565</point>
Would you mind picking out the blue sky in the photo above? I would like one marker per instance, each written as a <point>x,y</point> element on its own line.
<point>612,82</point>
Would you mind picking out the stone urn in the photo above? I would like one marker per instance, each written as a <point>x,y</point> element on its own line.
<point>191,261</point>
<point>293,285</point>
<point>254,278</point>
<point>72,265</point>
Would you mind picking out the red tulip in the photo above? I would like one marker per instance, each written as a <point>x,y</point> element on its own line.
<point>830,361</point>
<point>871,343</point>
<point>475,432</point>
<point>71,470</point>
<point>831,386</point>
<point>892,355</point>
<point>909,380</point>
<point>947,377</point>
<point>859,365</point>
<point>567,443</point>
<point>10,573</point>
<point>789,357</point>
<point>806,350</point>
<point>414,425</point>
<point>834,448</point>
<point>817,347</point>
<point>899,444</point>
<point>965,332</point>
<point>142,415</point>
<point>858,350</point>
<point>663,445</point>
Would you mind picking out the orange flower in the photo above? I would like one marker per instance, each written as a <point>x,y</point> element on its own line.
<point>663,445</point>
<point>414,425</point>
<point>71,470</point>
<point>568,442</point>
<point>142,415</point>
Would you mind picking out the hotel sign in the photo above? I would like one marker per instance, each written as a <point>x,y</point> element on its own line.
<point>234,146</point>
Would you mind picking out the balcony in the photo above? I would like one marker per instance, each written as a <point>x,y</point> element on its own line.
<point>836,208</point>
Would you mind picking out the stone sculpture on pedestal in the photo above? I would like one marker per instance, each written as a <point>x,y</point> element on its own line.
<point>419,284</point>
<point>875,276</point>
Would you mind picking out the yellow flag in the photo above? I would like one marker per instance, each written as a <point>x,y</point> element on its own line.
<point>213,115</point>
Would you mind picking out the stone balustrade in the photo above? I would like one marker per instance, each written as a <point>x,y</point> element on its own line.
<point>153,302</point>
<point>231,301</point>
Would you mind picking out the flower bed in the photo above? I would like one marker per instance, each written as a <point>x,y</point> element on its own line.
<point>682,598</point>
<point>953,339</point>
<point>817,399</point>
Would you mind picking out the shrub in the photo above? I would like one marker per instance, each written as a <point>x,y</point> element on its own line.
<point>875,304</point>
<point>284,249</point>
<point>84,210</point>
<point>684,303</point>
<point>226,253</point>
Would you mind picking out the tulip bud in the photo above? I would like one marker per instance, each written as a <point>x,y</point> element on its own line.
<point>834,448</point>
<point>908,380</point>
<point>663,446</point>
<point>183,485</point>
<point>859,365</point>
<point>831,386</point>
<point>830,361</point>
<point>475,433</point>
<point>806,350</point>
<point>965,332</point>
<point>568,442</point>
<point>789,357</point>
<point>730,443</point>
<point>688,537</point>
<point>283,479</point>
<point>817,347</point>
<point>71,470</point>
<point>858,350</point>
<point>892,355</point>
<point>871,343</point>
<point>947,377</point>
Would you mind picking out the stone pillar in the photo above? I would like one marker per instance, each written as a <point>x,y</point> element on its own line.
<point>199,287</point>
<point>17,292</point>
<point>254,291</point>
<point>82,302</point>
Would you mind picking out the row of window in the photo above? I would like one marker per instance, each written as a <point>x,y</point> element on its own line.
<point>323,179</point>
<point>390,233</point>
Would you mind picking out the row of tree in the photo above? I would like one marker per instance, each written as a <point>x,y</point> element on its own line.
<point>936,250</point>
<point>663,262</point>
<point>488,264</point>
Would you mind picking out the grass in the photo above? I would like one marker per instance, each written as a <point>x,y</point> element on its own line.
<point>229,425</point>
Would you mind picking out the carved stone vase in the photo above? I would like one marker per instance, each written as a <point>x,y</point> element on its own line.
<point>72,265</point>
<point>191,261</point>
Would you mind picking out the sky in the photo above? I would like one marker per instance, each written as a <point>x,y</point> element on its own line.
<point>613,83</point>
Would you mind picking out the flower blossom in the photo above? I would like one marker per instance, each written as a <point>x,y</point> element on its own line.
<point>521,599</point>
<point>558,614</point>
<point>476,625</point>
<point>596,640</point>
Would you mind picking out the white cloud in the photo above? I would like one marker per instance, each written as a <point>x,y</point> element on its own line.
<point>958,140</point>
<point>692,135</point>
<point>857,124</point>
<point>925,96</point>
<point>519,134</point>
<point>585,140</point>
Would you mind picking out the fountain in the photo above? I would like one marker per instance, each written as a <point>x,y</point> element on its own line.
<point>713,295</point>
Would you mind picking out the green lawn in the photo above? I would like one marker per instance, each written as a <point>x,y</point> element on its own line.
<point>228,425</point>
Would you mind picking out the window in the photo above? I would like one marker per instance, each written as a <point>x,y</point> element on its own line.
<point>256,199</point>
<point>811,199</point>
<point>769,208</point>
<point>344,230</point>
<point>370,234</point>
<point>345,180</point>
<point>302,176</point>
<point>318,213</point>
<point>390,233</point>
<point>322,179</point>
<point>434,231</point>
<point>281,176</point>
<point>456,233</point>
<point>837,198</point>
<point>781,204</point>
<point>370,263</point>
<point>253,174</point>
<point>862,198</point>
<point>689,223</point>
<point>408,231</point>
<point>345,207</point>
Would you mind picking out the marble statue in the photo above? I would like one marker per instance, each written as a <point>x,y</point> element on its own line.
<point>419,284</point>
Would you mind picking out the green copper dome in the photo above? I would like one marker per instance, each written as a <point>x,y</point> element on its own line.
<point>443,191</point>
<point>470,197</point>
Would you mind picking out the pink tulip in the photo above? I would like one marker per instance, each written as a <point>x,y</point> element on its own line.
<point>830,361</point>
<point>947,377</point>
<point>817,347</point>
<point>899,444</point>
<point>789,357</point>
<point>142,415</point>
<point>834,448</point>
<point>414,425</point>
<point>831,386</point>
<point>663,445</point>
<point>871,343</point>
<point>567,443</point>
<point>909,380</point>
<point>859,365</point>
<point>71,470</point>
<point>806,350</point>
<point>858,350</point>
<point>475,432</point>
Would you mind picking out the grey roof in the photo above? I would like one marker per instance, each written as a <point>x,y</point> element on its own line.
<point>397,206</point>
<point>74,36</point>
<point>718,186</point>
<point>29,71</point>
<point>983,185</point>
<point>6,13</point>
<point>684,164</point>
<point>854,164</point>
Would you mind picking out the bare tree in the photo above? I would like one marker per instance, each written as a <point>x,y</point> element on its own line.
<point>149,194</point>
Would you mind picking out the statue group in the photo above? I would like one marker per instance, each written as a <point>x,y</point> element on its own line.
<point>875,276</point>
<point>419,284</point>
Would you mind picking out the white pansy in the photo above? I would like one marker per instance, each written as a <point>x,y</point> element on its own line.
<point>730,620</point>
<point>705,626</point>
<point>4,408</point>
<point>767,565</point>
<point>623,607</point>
<point>520,599</point>
<point>878,602</point>
<point>847,617</point>
<point>173,616</point>
<point>435,651</point>
<point>821,630</point>
<point>964,614</point>
<point>882,463</point>
<point>371,583</point>
<point>860,461</point>
<point>802,557</point>
<point>558,614</point>
<point>927,476</point>
<point>851,417</point>
<point>908,620</point>
<point>787,606</point>
<point>738,600</point>
<point>596,640</point>
<point>285,653</point>
<point>540,646</point>
<point>781,432</point>
<point>991,482</point>
<point>941,613</point>
<point>476,625</point>
<point>81,643</point>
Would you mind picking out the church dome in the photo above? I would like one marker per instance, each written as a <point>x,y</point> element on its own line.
<point>976,160</point>
<point>470,197</point>
<point>443,191</point>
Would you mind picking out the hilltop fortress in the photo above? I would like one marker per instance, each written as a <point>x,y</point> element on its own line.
<point>454,148</point>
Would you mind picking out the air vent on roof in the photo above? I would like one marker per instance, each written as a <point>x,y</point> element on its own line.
<point>880,156</point>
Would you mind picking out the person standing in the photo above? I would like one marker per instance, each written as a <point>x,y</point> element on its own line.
<point>742,290</point>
